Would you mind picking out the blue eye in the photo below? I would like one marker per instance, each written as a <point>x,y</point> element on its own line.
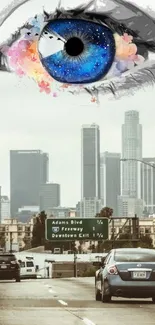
<point>76,51</point>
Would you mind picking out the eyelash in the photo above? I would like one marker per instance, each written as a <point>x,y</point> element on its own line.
<point>145,75</point>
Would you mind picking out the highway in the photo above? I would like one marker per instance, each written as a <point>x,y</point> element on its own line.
<point>67,302</point>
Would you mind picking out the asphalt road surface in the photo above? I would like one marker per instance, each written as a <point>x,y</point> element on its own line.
<point>67,302</point>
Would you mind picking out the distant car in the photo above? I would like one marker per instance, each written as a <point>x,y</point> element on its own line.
<point>128,273</point>
<point>27,268</point>
<point>57,250</point>
<point>9,267</point>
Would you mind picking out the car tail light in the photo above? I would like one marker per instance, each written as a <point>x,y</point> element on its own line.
<point>13,262</point>
<point>112,270</point>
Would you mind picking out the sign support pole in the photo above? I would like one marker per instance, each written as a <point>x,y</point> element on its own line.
<point>75,262</point>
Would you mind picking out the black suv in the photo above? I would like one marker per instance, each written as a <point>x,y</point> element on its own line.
<point>9,267</point>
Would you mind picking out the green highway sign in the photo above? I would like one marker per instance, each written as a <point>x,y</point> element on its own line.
<point>68,229</point>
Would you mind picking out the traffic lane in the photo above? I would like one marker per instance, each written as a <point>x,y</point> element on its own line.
<point>82,293</point>
<point>87,310</point>
<point>70,288</point>
<point>27,293</point>
<point>41,316</point>
<point>46,316</point>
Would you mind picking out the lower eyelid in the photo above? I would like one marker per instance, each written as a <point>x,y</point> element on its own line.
<point>128,83</point>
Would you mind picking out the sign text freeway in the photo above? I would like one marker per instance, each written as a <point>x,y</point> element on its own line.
<point>68,229</point>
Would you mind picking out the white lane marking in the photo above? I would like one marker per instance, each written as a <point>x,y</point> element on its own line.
<point>63,302</point>
<point>88,321</point>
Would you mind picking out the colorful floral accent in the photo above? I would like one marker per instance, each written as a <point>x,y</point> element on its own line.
<point>126,54</point>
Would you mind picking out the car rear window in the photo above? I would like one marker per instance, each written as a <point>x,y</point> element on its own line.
<point>7,257</point>
<point>137,256</point>
<point>29,264</point>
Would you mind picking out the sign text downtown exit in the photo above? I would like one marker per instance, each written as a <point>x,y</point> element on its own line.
<point>68,229</point>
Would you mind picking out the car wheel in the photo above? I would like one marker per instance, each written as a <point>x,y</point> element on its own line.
<point>105,298</point>
<point>18,279</point>
<point>153,300</point>
<point>97,295</point>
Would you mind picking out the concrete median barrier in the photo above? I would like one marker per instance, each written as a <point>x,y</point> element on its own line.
<point>66,269</point>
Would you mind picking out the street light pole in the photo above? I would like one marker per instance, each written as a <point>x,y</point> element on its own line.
<point>138,160</point>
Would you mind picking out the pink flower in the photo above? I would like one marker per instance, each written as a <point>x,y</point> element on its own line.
<point>127,38</point>
<point>12,51</point>
<point>44,86</point>
<point>93,100</point>
<point>20,72</point>
<point>33,58</point>
<point>22,45</point>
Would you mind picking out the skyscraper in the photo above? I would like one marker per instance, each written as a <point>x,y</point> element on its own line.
<point>148,185</point>
<point>90,161</point>
<point>131,149</point>
<point>110,179</point>
<point>5,208</point>
<point>0,204</point>
<point>90,170</point>
<point>49,196</point>
<point>28,170</point>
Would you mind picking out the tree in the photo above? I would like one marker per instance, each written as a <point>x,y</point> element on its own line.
<point>27,242</point>
<point>2,240</point>
<point>38,233</point>
<point>124,240</point>
<point>106,212</point>
<point>145,241</point>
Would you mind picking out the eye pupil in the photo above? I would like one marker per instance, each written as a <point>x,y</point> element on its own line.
<point>74,46</point>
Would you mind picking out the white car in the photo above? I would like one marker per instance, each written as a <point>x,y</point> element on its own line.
<point>27,268</point>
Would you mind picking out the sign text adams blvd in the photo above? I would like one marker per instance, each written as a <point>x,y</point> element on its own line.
<point>76,229</point>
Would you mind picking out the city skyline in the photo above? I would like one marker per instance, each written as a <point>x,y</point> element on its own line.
<point>67,179</point>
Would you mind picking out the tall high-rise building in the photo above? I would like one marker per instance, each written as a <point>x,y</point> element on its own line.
<point>110,179</point>
<point>5,208</point>
<point>28,170</point>
<point>0,204</point>
<point>131,149</point>
<point>148,185</point>
<point>90,161</point>
<point>49,196</point>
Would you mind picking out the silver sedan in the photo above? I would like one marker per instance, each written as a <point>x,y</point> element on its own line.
<point>126,272</point>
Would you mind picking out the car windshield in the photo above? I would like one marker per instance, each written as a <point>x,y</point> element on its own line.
<point>137,256</point>
<point>7,258</point>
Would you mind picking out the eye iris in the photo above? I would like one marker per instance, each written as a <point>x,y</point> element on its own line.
<point>74,46</point>
<point>79,52</point>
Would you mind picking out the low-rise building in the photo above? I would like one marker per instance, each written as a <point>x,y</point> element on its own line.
<point>146,227</point>
<point>15,235</point>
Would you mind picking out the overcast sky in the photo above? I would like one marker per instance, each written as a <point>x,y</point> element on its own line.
<point>32,120</point>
